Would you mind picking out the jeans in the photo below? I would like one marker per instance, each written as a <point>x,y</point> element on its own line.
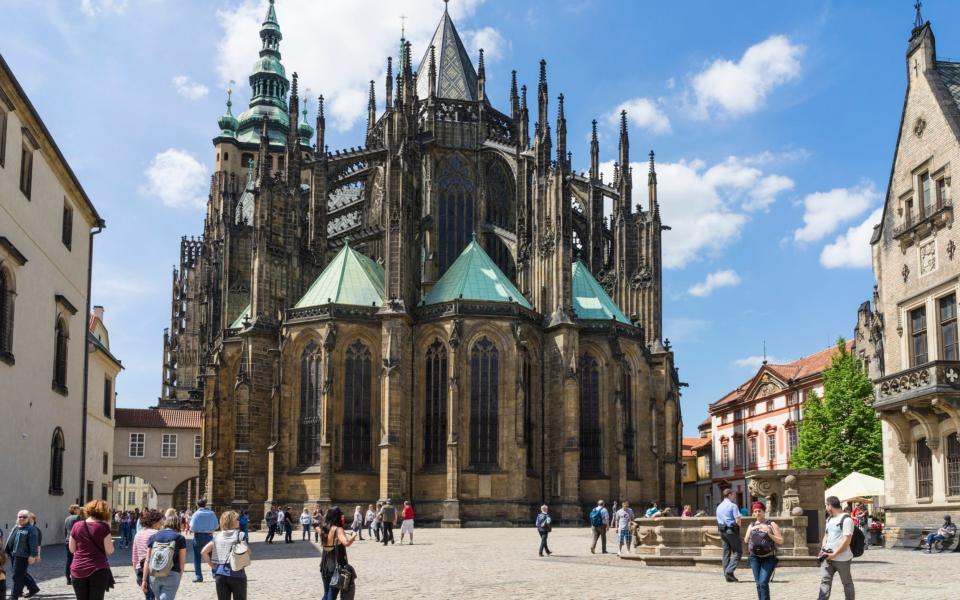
<point>69,561</point>
<point>124,533</point>
<point>306,533</point>
<point>245,533</point>
<point>387,533</point>
<point>231,587</point>
<point>933,537</point>
<point>165,588</point>
<point>601,534</point>
<point>288,533</point>
<point>93,587</point>
<point>732,549</point>
<point>329,593</point>
<point>271,531</point>
<point>20,578</point>
<point>200,540</point>
<point>827,569</point>
<point>377,527</point>
<point>543,543</point>
<point>762,568</point>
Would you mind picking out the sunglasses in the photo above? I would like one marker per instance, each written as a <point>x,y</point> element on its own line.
<point>23,516</point>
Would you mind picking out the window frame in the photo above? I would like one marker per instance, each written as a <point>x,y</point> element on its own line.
<point>725,456</point>
<point>945,326</point>
<point>197,446</point>
<point>591,427</point>
<point>8,295</point>
<point>753,452</point>
<point>168,441</point>
<point>923,470</point>
<point>484,405</point>
<point>357,421</point>
<point>132,444</point>
<point>57,448</point>
<point>106,463</point>
<point>26,169</point>
<point>66,225</point>
<point>952,465</point>
<point>435,405</point>
<point>772,446</point>
<point>107,397</point>
<point>918,337</point>
<point>925,201</point>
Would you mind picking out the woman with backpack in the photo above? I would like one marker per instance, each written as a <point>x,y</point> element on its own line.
<point>762,538</point>
<point>333,562</point>
<point>228,556</point>
<point>138,554</point>
<point>166,555</point>
<point>91,542</point>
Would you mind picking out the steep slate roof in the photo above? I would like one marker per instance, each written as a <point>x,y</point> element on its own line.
<point>157,418</point>
<point>350,278</point>
<point>474,276</point>
<point>243,316</point>
<point>590,301</point>
<point>950,76</point>
<point>456,77</point>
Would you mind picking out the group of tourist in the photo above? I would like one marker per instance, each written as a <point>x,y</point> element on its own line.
<point>130,522</point>
<point>378,520</point>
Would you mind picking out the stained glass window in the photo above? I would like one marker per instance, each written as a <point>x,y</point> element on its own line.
<point>484,404</point>
<point>435,425</point>
<point>455,227</point>
<point>310,385</point>
<point>591,455</point>
<point>358,377</point>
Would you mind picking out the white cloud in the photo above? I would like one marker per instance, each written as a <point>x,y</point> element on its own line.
<point>177,179</point>
<point>717,279</point>
<point>188,88</point>
<point>737,88</point>
<point>825,211</point>
<point>755,362</point>
<point>92,8</point>
<point>643,113</point>
<point>851,249</point>
<point>317,45</point>
<point>706,208</point>
<point>493,43</point>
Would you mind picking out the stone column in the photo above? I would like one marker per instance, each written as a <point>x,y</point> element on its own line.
<point>395,394</point>
<point>326,409</point>
<point>564,339</point>
<point>451,505</point>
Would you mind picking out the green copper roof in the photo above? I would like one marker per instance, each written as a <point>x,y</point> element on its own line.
<point>270,20</point>
<point>350,278</point>
<point>590,301</point>
<point>244,315</point>
<point>474,276</point>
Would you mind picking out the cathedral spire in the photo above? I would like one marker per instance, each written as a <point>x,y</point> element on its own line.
<point>432,72</point>
<point>514,99</point>
<point>321,127</point>
<point>594,153</point>
<point>542,95</point>
<point>652,188</point>
<point>561,135</point>
<point>481,79</point>
<point>524,119</point>
<point>262,170</point>
<point>371,107</point>
<point>389,83</point>
<point>625,184</point>
<point>293,146</point>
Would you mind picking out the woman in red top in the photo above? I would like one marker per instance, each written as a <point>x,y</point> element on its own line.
<point>407,526</point>
<point>90,542</point>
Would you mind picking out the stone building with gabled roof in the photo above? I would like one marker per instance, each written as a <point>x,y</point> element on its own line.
<point>441,314</point>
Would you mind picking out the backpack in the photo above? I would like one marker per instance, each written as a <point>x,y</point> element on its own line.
<point>761,544</point>
<point>857,541</point>
<point>596,517</point>
<point>161,559</point>
<point>239,557</point>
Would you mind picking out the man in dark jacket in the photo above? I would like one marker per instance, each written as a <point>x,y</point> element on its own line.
<point>544,525</point>
<point>23,546</point>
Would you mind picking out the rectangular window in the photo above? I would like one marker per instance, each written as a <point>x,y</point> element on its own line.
<point>168,448</point>
<point>66,235</point>
<point>943,193</point>
<point>132,479</point>
<point>131,499</point>
<point>107,397</point>
<point>738,451</point>
<point>948,327</point>
<point>918,336</point>
<point>953,465</point>
<point>924,469</point>
<point>772,447</point>
<point>792,439</point>
<point>753,452</point>
<point>769,405</point>
<point>89,491</point>
<point>197,446</point>
<point>725,456</point>
<point>104,491</point>
<point>106,463</point>
<point>137,443</point>
<point>752,410</point>
<point>737,415</point>
<point>908,213</point>
<point>26,170</point>
<point>927,199</point>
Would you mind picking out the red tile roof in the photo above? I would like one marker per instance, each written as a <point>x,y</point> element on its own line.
<point>696,443</point>
<point>158,418</point>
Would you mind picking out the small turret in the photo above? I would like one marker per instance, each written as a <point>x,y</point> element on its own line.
<point>594,153</point>
<point>371,108</point>
<point>562,161</point>
<point>652,189</point>
<point>514,98</point>
<point>305,131</point>
<point>293,145</point>
<point>524,119</point>
<point>542,97</point>
<point>263,170</point>
<point>389,83</point>
<point>227,122</point>
<point>432,72</point>
<point>321,127</point>
<point>481,79</point>
<point>625,183</point>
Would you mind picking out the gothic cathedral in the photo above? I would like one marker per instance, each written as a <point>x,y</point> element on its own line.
<point>442,314</point>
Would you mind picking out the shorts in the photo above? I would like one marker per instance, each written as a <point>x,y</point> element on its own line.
<point>406,526</point>
<point>624,536</point>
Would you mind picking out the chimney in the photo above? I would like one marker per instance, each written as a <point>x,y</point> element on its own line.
<point>98,312</point>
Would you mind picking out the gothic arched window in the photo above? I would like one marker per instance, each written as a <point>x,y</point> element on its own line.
<point>484,409</point>
<point>241,432</point>
<point>357,381</point>
<point>526,374</point>
<point>629,430</point>
<point>500,200</point>
<point>57,447</point>
<point>435,410</point>
<point>7,294</point>
<point>60,355</point>
<point>310,385</point>
<point>455,227</point>
<point>591,456</point>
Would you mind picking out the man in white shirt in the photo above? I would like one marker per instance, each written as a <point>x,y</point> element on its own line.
<point>835,550</point>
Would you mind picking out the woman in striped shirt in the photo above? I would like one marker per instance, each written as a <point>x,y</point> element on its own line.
<point>150,520</point>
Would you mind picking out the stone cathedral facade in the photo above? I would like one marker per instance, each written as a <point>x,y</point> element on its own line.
<point>442,314</point>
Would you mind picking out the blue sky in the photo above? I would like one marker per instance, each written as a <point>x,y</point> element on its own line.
<point>774,126</point>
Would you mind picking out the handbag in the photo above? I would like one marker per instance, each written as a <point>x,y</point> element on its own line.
<point>110,580</point>
<point>239,556</point>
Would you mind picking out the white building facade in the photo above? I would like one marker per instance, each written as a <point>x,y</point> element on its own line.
<point>102,372</point>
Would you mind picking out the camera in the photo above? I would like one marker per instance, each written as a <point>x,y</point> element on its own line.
<point>822,556</point>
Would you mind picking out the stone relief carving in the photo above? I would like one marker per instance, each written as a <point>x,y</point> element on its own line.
<point>928,257</point>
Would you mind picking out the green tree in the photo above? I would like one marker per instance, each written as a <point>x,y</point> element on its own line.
<point>841,432</point>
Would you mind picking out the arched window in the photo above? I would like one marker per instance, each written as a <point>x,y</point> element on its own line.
<point>357,379</point>
<point>500,200</point>
<point>60,356</point>
<point>924,469</point>
<point>310,383</point>
<point>455,227</point>
<point>435,411</point>
<point>953,465</point>
<point>526,374</point>
<point>591,455</point>
<point>242,418</point>
<point>7,294</point>
<point>57,447</point>
<point>629,428</point>
<point>484,405</point>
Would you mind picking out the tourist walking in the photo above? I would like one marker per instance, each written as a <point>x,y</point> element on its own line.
<point>624,522</point>
<point>166,557</point>
<point>73,515</point>
<point>762,538</point>
<point>357,524</point>
<point>228,555</point>
<point>281,521</point>
<point>150,520</point>
<point>334,557</point>
<point>244,521</point>
<point>728,522</point>
<point>91,542</point>
<point>369,520</point>
<point>125,529</point>
<point>271,518</point>
<point>835,554</point>
<point>388,514</point>
<point>544,526</point>
<point>287,525</point>
<point>23,547</point>
<point>599,521</point>
<point>378,521</point>
<point>306,521</point>
<point>406,526</point>
<point>203,523</point>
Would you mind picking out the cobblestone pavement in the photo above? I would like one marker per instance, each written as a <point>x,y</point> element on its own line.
<point>503,563</point>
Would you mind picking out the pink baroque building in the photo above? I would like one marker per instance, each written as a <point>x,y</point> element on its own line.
<point>754,426</point>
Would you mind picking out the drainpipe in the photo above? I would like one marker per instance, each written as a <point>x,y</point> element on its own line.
<point>99,225</point>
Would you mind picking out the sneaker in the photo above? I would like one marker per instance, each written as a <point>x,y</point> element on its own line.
<point>731,578</point>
